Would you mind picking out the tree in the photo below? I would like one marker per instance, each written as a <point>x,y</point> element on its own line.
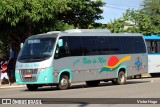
<point>145,20</point>
<point>22,18</point>
<point>97,26</point>
<point>152,9</point>
<point>4,47</point>
<point>141,22</point>
<point>117,26</point>
<point>82,13</point>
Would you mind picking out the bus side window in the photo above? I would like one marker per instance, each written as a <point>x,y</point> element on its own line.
<point>153,47</point>
<point>114,45</point>
<point>139,46</point>
<point>126,45</point>
<point>75,46</point>
<point>102,45</point>
<point>158,46</point>
<point>148,46</point>
<point>89,45</point>
<point>62,51</point>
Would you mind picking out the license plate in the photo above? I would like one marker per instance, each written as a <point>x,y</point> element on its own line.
<point>28,76</point>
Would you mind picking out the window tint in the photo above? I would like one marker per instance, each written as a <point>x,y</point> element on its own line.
<point>149,48</point>
<point>37,49</point>
<point>75,46</point>
<point>89,45</point>
<point>158,46</point>
<point>126,45</point>
<point>62,51</point>
<point>114,44</point>
<point>139,45</point>
<point>102,45</point>
<point>153,46</point>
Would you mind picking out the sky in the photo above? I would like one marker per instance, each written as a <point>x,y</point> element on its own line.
<point>115,8</point>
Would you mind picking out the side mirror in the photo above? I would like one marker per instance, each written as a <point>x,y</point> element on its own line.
<point>21,45</point>
<point>60,42</point>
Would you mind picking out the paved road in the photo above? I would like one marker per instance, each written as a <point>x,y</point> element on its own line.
<point>135,88</point>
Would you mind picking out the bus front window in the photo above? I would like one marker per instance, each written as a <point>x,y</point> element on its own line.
<point>37,49</point>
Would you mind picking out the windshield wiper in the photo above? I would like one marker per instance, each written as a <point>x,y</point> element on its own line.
<point>25,57</point>
<point>34,57</point>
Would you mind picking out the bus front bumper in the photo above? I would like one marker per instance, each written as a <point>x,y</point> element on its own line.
<point>44,77</point>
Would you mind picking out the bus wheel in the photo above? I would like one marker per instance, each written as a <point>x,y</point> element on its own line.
<point>92,83</point>
<point>155,74</point>
<point>139,76</point>
<point>32,87</point>
<point>114,82</point>
<point>121,78</point>
<point>64,82</point>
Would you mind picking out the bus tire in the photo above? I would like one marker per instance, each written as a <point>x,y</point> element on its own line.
<point>64,82</point>
<point>114,82</point>
<point>32,87</point>
<point>139,76</point>
<point>92,83</point>
<point>155,74</point>
<point>121,78</point>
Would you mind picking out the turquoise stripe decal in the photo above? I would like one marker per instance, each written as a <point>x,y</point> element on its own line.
<point>63,71</point>
<point>122,67</point>
<point>44,77</point>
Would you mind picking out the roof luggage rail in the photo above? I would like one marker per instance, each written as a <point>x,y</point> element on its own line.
<point>87,30</point>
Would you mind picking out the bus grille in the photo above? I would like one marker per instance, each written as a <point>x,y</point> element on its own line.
<point>32,72</point>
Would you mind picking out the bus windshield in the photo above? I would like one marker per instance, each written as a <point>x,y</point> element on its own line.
<point>37,49</point>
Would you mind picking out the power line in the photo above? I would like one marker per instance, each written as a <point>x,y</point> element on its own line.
<point>116,8</point>
<point>123,5</point>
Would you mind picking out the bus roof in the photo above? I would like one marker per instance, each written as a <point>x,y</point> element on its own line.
<point>99,34</point>
<point>83,32</point>
<point>152,37</point>
<point>43,35</point>
<point>87,30</point>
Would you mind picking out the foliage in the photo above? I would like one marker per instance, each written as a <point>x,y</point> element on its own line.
<point>97,26</point>
<point>82,13</point>
<point>15,11</point>
<point>145,20</point>
<point>22,18</point>
<point>152,9</point>
<point>141,21</point>
<point>4,47</point>
<point>116,26</point>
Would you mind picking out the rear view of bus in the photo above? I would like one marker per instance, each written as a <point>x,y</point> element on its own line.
<point>153,45</point>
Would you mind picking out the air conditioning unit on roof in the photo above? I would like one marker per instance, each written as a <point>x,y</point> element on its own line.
<point>54,32</point>
<point>87,30</point>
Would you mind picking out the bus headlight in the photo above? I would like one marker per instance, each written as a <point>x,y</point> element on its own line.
<point>43,69</point>
<point>17,70</point>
